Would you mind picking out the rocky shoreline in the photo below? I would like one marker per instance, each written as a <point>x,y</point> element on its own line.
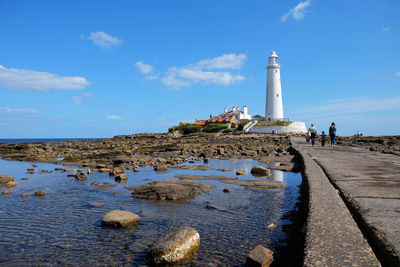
<point>147,149</point>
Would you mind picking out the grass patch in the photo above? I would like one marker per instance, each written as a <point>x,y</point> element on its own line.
<point>272,123</point>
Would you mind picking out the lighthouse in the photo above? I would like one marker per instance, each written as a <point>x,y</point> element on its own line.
<point>273,105</point>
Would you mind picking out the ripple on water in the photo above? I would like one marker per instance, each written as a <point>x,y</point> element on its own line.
<point>64,228</point>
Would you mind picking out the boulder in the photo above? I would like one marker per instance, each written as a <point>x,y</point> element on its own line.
<point>117,170</point>
<point>226,190</point>
<point>170,189</point>
<point>80,176</point>
<point>260,256</point>
<point>5,179</point>
<point>173,247</point>
<point>40,193</point>
<point>5,192</point>
<point>11,184</point>
<point>121,177</point>
<point>161,168</point>
<point>260,171</point>
<point>30,170</point>
<point>241,172</point>
<point>26,194</point>
<point>120,218</point>
<point>136,169</point>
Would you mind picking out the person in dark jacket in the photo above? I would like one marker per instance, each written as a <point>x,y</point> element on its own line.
<point>323,138</point>
<point>332,133</point>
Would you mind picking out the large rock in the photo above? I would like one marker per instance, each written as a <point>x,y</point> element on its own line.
<point>259,171</point>
<point>11,184</point>
<point>121,177</point>
<point>161,168</point>
<point>120,218</point>
<point>170,189</point>
<point>260,256</point>
<point>117,170</point>
<point>5,179</point>
<point>174,246</point>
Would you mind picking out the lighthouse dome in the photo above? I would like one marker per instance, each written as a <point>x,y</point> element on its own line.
<point>273,54</point>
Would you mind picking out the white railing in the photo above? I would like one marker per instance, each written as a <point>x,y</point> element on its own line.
<point>247,127</point>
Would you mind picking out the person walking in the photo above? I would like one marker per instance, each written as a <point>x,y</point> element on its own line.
<point>323,138</point>
<point>312,132</point>
<point>332,133</point>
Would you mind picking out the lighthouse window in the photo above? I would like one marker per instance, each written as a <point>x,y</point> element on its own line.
<point>276,71</point>
<point>277,95</point>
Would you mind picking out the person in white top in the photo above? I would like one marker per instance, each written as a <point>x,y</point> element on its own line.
<point>312,132</point>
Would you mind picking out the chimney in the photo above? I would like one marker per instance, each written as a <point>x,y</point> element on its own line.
<point>245,111</point>
<point>233,108</point>
<point>225,110</point>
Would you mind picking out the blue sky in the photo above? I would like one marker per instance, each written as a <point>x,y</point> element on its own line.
<point>104,68</point>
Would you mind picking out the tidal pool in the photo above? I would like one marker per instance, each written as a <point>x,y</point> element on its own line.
<point>64,226</point>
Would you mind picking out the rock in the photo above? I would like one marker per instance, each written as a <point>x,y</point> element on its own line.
<point>11,184</point>
<point>40,193</point>
<point>89,171</point>
<point>264,160</point>
<point>260,256</point>
<point>8,191</point>
<point>226,190</point>
<point>30,170</point>
<point>170,189</point>
<point>117,170</point>
<point>24,179</point>
<point>66,170</point>
<point>120,218</point>
<point>206,160</point>
<point>5,179</point>
<point>121,177</point>
<point>258,171</point>
<point>26,194</point>
<point>104,170</point>
<point>142,211</point>
<point>99,204</point>
<point>220,151</point>
<point>71,175</point>
<point>80,176</point>
<point>105,187</point>
<point>241,172</point>
<point>136,169</point>
<point>224,170</point>
<point>161,168</point>
<point>173,247</point>
<point>271,226</point>
<point>193,167</point>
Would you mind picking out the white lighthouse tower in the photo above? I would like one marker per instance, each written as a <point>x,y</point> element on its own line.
<point>273,105</point>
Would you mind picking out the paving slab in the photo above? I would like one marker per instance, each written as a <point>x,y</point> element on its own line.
<point>369,183</point>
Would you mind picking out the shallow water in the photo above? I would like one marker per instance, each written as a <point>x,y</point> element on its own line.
<point>64,227</point>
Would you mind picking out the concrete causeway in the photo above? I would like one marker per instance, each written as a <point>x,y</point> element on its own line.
<point>354,209</point>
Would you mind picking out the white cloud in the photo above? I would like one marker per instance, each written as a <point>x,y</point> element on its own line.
<point>103,39</point>
<point>152,77</point>
<point>113,117</point>
<point>386,29</point>
<point>298,12</point>
<point>20,79</point>
<point>19,110</point>
<point>143,68</point>
<point>226,61</point>
<point>78,100</point>
<point>397,74</point>
<point>200,72</point>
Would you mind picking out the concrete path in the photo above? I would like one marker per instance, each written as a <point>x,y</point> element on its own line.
<point>369,184</point>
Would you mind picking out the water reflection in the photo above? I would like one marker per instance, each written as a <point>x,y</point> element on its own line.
<point>64,226</point>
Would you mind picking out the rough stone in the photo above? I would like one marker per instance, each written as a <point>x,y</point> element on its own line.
<point>170,189</point>
<point>174,246</point>
<point>240,172</point>
<point>40,193</point>
<point>120,218</point>
<point>121,177</point>
<point>80,176</point>
<point>117,170</point>
<point>260,257</point>
<point>5,178</point>
<point>26,194</point>
<point>11,184</point>
<point>259,171</point>
<point>161,168</point>
<point>8,191</point>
